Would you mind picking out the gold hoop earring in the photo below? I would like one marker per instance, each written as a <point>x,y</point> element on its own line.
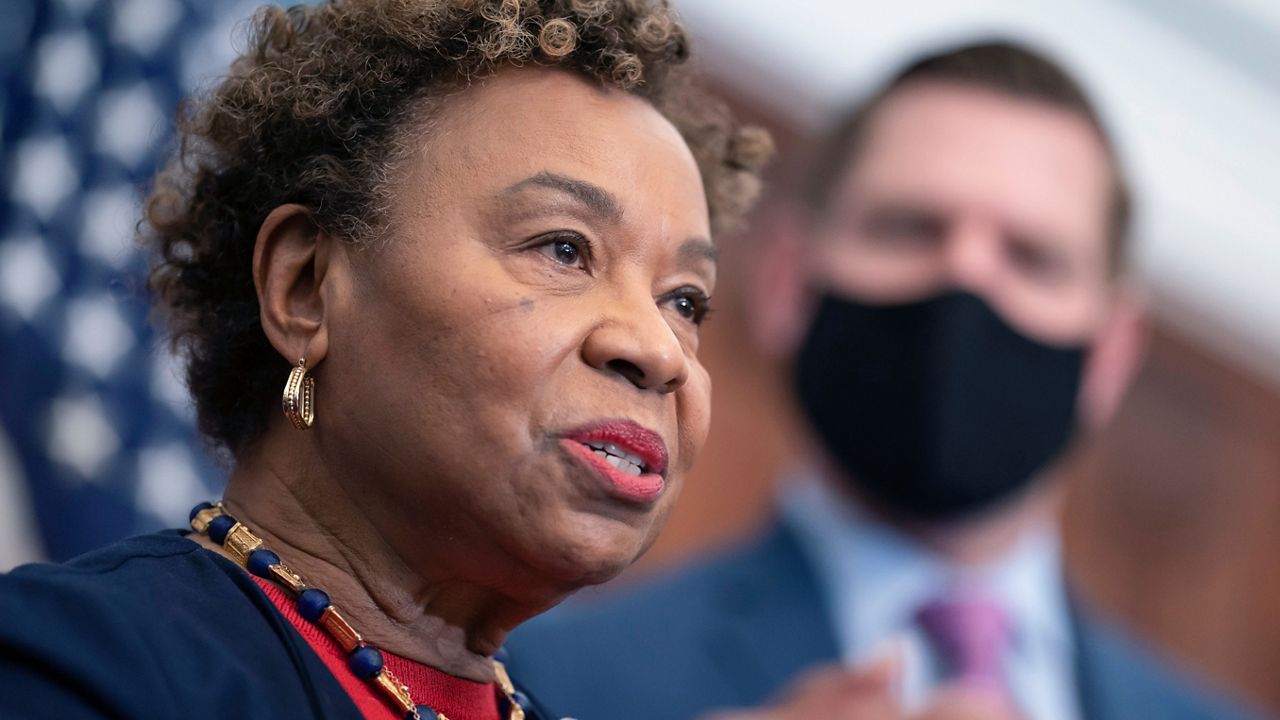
<point>299,401</point>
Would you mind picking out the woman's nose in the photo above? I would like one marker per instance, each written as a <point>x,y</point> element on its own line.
<point>636,343</point>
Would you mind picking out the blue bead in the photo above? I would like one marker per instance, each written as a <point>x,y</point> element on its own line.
<point>365,662</point>
<point>425,712</point>
<point>260,562</point>
<point>196,510</point>
<point>312,603</point>
<point>219,527</point>
<point>522,700</point>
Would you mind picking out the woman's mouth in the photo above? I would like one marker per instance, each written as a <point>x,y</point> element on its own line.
<point>617,457</point>
<point>629,458</point>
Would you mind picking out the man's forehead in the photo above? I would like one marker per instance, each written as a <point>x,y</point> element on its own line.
<point>934,115</point>
<point>954,144</point>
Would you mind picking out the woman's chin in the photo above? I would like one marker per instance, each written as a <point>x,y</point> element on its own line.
<point>599,553</point>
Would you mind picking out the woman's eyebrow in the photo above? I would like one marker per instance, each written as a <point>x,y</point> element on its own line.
<point>698,248</point>
<point>595,198</point>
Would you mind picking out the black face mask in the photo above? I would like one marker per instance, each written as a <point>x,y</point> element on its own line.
<point>936,410</point>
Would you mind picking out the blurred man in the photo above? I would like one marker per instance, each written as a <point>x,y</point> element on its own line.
<point>954,302</point>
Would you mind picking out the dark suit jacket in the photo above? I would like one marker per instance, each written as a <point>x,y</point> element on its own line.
<point>733,631</point>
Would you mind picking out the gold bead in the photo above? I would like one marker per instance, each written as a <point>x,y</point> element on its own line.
<point>341,630</point>
<point>240,542</point>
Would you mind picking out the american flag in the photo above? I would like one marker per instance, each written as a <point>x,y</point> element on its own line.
<point>96,428</point>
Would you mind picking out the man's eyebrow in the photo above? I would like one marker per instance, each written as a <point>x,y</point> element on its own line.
<point>595,198</point>
<point>698,248</point>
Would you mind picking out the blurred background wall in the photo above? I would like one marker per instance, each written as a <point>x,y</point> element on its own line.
<point>1174,516</point>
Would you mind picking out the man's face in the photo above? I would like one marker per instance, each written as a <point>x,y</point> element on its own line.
<point>960,187</point>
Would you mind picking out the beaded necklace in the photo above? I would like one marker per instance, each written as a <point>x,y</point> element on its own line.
<point>365,660</point>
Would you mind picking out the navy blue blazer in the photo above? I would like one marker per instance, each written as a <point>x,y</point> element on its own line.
<point>157,627</point>
<point>733,631</point>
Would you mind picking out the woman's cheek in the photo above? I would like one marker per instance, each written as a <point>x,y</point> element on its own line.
<point>693,408</point>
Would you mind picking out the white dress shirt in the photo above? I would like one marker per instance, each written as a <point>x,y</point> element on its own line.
<point>876,579</point>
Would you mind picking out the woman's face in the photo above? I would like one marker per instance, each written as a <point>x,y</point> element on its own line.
<point>539,295</point>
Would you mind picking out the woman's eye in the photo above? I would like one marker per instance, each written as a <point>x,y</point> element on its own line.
<point>567,249</point>
<point>691,304</point>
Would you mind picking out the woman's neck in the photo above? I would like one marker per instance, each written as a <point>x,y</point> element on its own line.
<point>309,521</point>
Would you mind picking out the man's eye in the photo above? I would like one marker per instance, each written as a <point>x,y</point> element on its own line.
<point>903,228</point>
<point>1038,262</point>
<point>567,249</point>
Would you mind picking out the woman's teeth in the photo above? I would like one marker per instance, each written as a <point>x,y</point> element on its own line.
<point>617,457</point>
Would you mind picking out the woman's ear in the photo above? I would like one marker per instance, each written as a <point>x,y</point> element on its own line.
<point>290,258</point>
<point>1115,358</point>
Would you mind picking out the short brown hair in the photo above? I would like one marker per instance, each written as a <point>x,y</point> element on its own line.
<point>317,111</point>
<point>1004,67</point>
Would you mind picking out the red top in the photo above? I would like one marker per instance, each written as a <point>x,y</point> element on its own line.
<point>456,698</point>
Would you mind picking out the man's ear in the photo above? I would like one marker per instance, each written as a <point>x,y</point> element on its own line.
<point>290,258</point>
<point>779,295</point>
<point>1114,359</point>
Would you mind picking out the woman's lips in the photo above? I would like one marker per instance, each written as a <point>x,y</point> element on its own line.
<point>630,459</point>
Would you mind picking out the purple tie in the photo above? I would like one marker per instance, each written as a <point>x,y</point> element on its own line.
<point>970,636</point>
